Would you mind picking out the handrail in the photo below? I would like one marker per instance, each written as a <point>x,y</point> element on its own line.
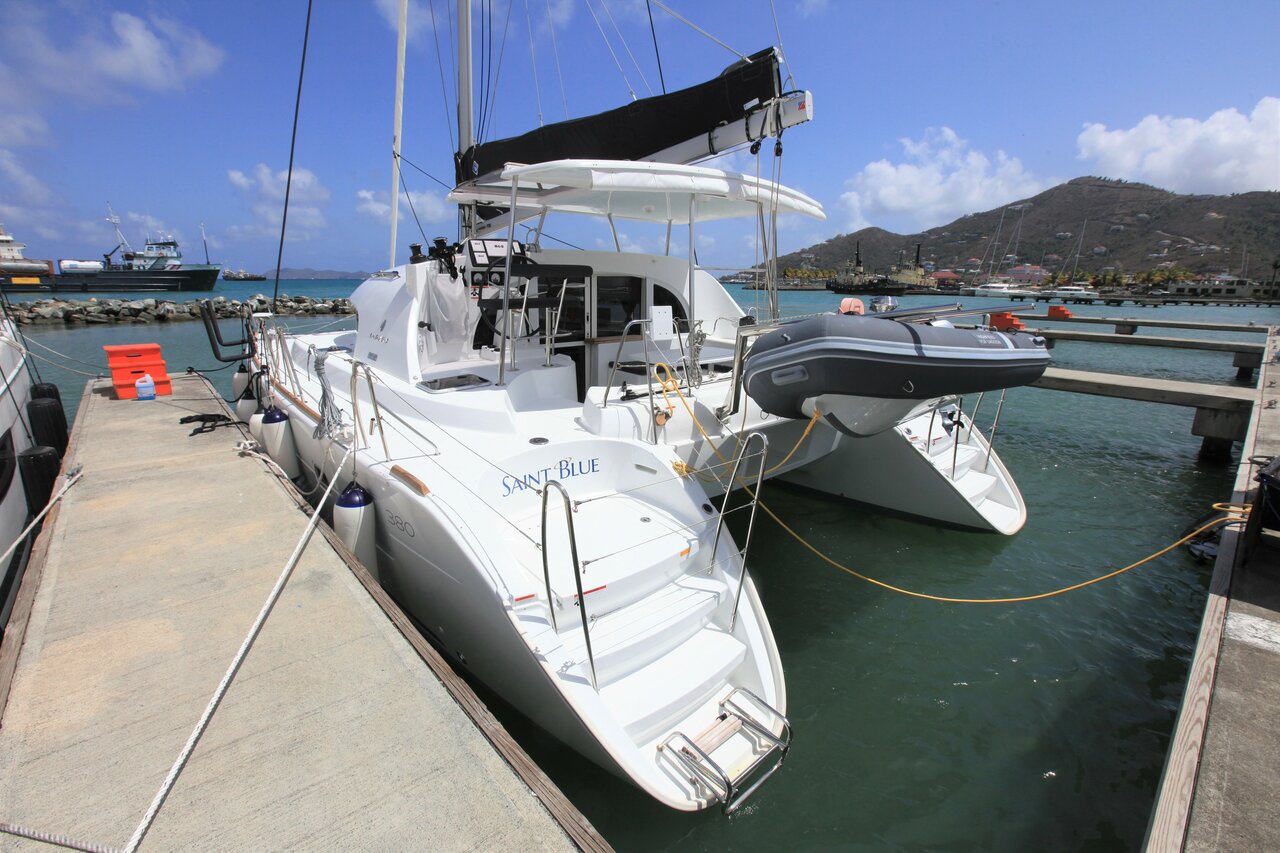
<point>751,521</point>
<point>957,426</point>
<point>577,570</point>
<point>284,356</point>
<point>373,398</point>
<point>216,343</point>
<point>617,356</point>
<point>991,439</point>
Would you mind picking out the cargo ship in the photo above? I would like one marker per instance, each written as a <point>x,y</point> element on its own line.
<point>157,267</point>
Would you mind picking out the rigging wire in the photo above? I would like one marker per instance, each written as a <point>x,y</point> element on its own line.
<point>656,54</point>
<point>626,46</point>
<point>610,47</point>
<point>533,61</point>
<point>405,160</point>
<point>558,240</point>
<point>664,7</point>
<point>497,76</point>
<point>551,24</point>
<point>791,83</point>
<point>293,141</point>
<point>412,209</point>
<point>444,90</point>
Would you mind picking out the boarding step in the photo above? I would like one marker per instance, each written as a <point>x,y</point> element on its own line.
<point>628,639</point>
<point>651,699</point>
<point>974,486</point>
<point>964,457</point>
<point>627,549</point>
<point>734,755</point>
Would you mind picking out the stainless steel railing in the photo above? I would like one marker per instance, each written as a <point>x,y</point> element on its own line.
<point>577,571</point>
<point>357,367</point>
<point>751,521</point>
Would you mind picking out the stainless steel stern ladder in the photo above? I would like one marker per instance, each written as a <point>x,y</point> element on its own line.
<point>735,719</point>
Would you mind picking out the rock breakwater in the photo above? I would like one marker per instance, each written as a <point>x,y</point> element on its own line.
<point>149,310</point>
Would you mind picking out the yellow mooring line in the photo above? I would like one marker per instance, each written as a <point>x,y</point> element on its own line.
<point>1234,513</point>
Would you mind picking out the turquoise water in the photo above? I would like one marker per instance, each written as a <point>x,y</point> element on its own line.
<point>928,726</point>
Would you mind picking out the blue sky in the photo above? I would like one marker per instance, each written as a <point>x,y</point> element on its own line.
<point>179,112</point>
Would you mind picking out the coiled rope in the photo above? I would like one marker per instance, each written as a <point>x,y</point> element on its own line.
<point>1234,513</point>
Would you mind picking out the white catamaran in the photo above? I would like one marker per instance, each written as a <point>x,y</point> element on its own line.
<point>540,440</point>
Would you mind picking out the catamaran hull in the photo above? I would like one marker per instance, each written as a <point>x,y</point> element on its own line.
<point>437,564</point>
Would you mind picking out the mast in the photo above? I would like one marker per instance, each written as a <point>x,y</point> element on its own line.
<point>204,240</point>
<point>115,220</point>
<point>395,133</point>
<point>1079,249</point>
<point>465,137</point>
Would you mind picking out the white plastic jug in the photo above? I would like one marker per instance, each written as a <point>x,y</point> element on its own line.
<point>146,387</point>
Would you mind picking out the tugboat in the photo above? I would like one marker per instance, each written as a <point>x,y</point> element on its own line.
<point>158,266</point>
<point>854,279</point>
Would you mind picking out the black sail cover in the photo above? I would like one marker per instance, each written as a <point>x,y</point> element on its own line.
<point>640,128</point>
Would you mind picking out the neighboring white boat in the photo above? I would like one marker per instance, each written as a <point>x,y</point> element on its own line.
<point>19,427</point>
<point>1001,289</point>
<point>970,485</point>
<point>1069,292</point>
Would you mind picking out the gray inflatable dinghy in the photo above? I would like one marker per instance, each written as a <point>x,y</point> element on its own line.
<point>865,374</point>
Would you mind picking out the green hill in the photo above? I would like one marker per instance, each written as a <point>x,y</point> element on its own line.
<point>1131,227</point>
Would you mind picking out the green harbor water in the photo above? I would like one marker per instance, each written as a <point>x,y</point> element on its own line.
<point>929,726</point>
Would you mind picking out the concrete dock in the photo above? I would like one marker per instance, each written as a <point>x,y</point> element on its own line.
<point>1221,783</point>
<point>343,729</point>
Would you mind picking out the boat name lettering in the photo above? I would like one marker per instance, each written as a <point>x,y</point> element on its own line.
<point>382,339</point>
<point>565,469</point>
<point>400,524</point>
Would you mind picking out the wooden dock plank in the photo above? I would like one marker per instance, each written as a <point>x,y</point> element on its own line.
<point>1253,347</point>
<point>1219,786</point>
<point>1198,395</point>
<point>334,734</point>
<point>1194,325</point>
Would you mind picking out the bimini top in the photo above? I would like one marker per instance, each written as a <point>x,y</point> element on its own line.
<point>628,189</point>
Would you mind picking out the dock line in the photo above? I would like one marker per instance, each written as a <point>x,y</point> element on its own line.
<point>1235,513</point>
<point>73,476</point>
<point>225,684</point>
<point>166,787</point>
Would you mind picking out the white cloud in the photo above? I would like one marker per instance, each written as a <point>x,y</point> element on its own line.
<point>22,128</point>
<point>22,185</point>
<point>429,206</point>
<point>264,191</point>
<point>96,59</point>
<point>149,225</point>
<point>75,53</point>
<point>562,12</point>
<point>417,20</point>
<point>1227,152</point>
<point>808,8</point>
<point>940,178</point>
